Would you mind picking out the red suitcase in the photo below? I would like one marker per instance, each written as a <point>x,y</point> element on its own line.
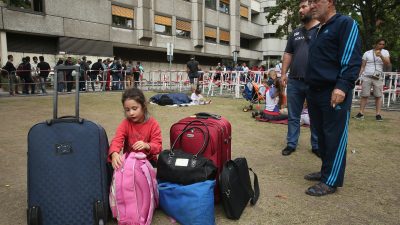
<point>219,139</point>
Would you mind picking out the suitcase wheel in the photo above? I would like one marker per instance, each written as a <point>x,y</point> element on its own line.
<point>34,216</point>
<point>99,213</point>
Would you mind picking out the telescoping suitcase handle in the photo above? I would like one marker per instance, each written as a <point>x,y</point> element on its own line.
<point>206,115</point>
<point>71,119</point>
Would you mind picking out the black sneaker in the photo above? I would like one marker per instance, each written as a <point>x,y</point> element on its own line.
<point>359,116</point>
<point>288,150</point>
<point>379,118</point>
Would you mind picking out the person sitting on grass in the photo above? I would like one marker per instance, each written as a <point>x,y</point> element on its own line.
<point>272,109</point>
<point>305,118</point>
<point>272,76</point>
<point>197,98</point>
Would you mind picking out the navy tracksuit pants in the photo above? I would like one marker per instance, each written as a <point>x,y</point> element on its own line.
<point>331,125</point>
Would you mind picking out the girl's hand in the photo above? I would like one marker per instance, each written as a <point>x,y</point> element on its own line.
<point>116,160</point>
<point>140,145</point>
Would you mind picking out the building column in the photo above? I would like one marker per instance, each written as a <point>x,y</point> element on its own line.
<point>198,23</point>
<point>3,48</point>
<point>145,19</point>
<point>235,25</point>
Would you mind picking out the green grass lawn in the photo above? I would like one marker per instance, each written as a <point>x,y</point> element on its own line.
<point>370,194</point>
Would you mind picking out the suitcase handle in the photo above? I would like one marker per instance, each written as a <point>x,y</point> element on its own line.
<point>65,119</point>
<point>203,147</point>
<point>206,115</point>
<point>206,137</point>
<point>55,96</point>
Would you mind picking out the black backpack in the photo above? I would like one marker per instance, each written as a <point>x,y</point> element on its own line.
<point>165,100</point>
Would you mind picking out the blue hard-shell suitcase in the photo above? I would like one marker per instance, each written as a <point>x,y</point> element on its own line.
<point>67,170</point>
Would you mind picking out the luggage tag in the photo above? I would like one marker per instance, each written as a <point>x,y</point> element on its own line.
<point>181,162</point>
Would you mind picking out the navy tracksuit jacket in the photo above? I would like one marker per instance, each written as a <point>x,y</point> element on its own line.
<point>334,62</point>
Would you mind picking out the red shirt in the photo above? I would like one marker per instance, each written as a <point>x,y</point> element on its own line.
<point>128,133</point>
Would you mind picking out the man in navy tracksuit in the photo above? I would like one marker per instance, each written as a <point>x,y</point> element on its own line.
<point>333,66</point>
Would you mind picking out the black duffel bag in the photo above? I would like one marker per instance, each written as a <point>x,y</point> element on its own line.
<point>180,167</point>
<point>236,190</point>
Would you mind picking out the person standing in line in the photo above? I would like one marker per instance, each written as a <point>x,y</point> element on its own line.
<point>84,68</point>
<point>34,71</point>
<point>61,77</point>
<point>372,65</point>
<point>334,61</point>
<point>116,72</point>
<point>129,74</point>
<point>245,74</point>
<point>12,77</point>
<point>68,75</point>
<point>138,72</point>
<point>97,68</point>
<point>192,69</point>
<point>27,77</point>
<point>44,70</point>
<point>295,58</point>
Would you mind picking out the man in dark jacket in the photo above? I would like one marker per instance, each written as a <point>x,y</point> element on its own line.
<point>192,69</point>
<point>334,61</point>
<point>44,70</point>
<point>26,76</point>
<point>97,68</point>
<point>116,72</point>
<point>295,58</point>
<point>84,68</point>
<point>68,74</point>
<point>10,71</point>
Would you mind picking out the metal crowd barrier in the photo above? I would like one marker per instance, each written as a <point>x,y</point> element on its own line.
<point>390,91</point>
<point>212,83</point>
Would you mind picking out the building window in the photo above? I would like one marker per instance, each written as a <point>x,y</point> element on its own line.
<point>245,43</point>
<point>211,4</point>
<point>270,35</point>
<point>183,28</point>
<point>122,17</point>
<point>34,5</point>
<point>224,37</point>
<point>224,6</point>
<point>163,25</point>
<point>210,34</point>
<point>244,12</point>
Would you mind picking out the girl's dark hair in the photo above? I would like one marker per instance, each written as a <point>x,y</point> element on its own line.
<point>137,95</point>
<point>279,91</point>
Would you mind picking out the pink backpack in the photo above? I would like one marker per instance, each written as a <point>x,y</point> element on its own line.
<point>133,192</point>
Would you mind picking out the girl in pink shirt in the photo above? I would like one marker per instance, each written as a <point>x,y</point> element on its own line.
<point>137,132</point>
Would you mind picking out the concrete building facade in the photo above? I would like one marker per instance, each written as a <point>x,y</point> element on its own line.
<point>140,30</point>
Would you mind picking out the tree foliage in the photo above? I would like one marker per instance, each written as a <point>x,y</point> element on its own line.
<point>377,19</point>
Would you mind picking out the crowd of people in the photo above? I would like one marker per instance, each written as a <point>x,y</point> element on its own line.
<point>111,74</point>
